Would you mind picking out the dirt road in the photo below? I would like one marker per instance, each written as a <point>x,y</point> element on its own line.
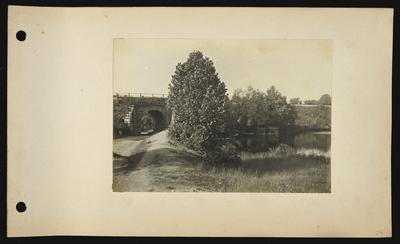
<point>151,164</point>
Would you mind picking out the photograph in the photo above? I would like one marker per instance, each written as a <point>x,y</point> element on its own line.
<point>227,115</point>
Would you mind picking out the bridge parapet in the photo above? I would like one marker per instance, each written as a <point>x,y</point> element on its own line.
<point>135,94</point>
<point>140,101</point>
<point>131,108</point>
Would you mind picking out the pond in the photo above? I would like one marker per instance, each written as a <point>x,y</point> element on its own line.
<point>319,142</point>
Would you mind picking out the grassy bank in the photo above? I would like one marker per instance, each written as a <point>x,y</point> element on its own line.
<point>313,117</point>
<point>291,174</point>
<point>156,165</point>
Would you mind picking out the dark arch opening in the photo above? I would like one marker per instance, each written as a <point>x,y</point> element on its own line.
<point>156,123</point>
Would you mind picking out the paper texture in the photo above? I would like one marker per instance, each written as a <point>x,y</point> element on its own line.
<point>60,90</point>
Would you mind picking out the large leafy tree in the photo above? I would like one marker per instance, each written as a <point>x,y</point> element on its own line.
<point>197,99</point>
<point>256,108</point>
<point>279,113</point>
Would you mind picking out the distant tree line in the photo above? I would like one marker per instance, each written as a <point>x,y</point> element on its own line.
<point>324,100</point>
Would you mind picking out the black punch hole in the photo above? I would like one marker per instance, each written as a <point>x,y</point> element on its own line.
<point>21,35</point>
<point>21,207</point>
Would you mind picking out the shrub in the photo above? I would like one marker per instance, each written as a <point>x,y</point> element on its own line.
<point>325,100</point>
<point>225,153</point>
<point>281,151</point>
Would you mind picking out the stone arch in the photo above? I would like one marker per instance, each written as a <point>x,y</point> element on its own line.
<point>159,119</point>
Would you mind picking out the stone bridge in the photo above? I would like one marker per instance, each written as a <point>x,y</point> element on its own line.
<point>140,113</point>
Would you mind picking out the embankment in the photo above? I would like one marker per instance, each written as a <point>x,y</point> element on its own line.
<point>313,117</point>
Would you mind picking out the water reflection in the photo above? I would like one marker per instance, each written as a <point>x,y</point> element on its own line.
<point>320,141</point>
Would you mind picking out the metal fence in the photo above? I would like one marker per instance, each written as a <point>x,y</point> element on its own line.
<point>133,94</point>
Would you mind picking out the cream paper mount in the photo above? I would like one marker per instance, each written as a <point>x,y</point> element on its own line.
<point>60,125</point>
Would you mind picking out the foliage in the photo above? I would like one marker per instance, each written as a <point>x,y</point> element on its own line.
<point>280,112</point>
<point>325,100</point>
<point>311,102</point>
<point>316,117</point>
<point>295,101</point>
<point>281,151</point>
<point>256,108</point>
<point>197,99</point>
<point>230,125</point>
<point>147,122</point>
<point>224,153</point>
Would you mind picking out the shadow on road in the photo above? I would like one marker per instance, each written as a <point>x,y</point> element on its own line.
<point>152,159</point>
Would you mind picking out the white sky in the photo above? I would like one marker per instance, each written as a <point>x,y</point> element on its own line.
<point>297,68</point>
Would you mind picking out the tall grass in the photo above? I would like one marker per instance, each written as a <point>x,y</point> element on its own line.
<point>310,177</point>
<point>283,151</point>
<point>281,169</point>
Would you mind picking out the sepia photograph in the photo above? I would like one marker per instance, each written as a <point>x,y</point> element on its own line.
<point>223,115</point>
